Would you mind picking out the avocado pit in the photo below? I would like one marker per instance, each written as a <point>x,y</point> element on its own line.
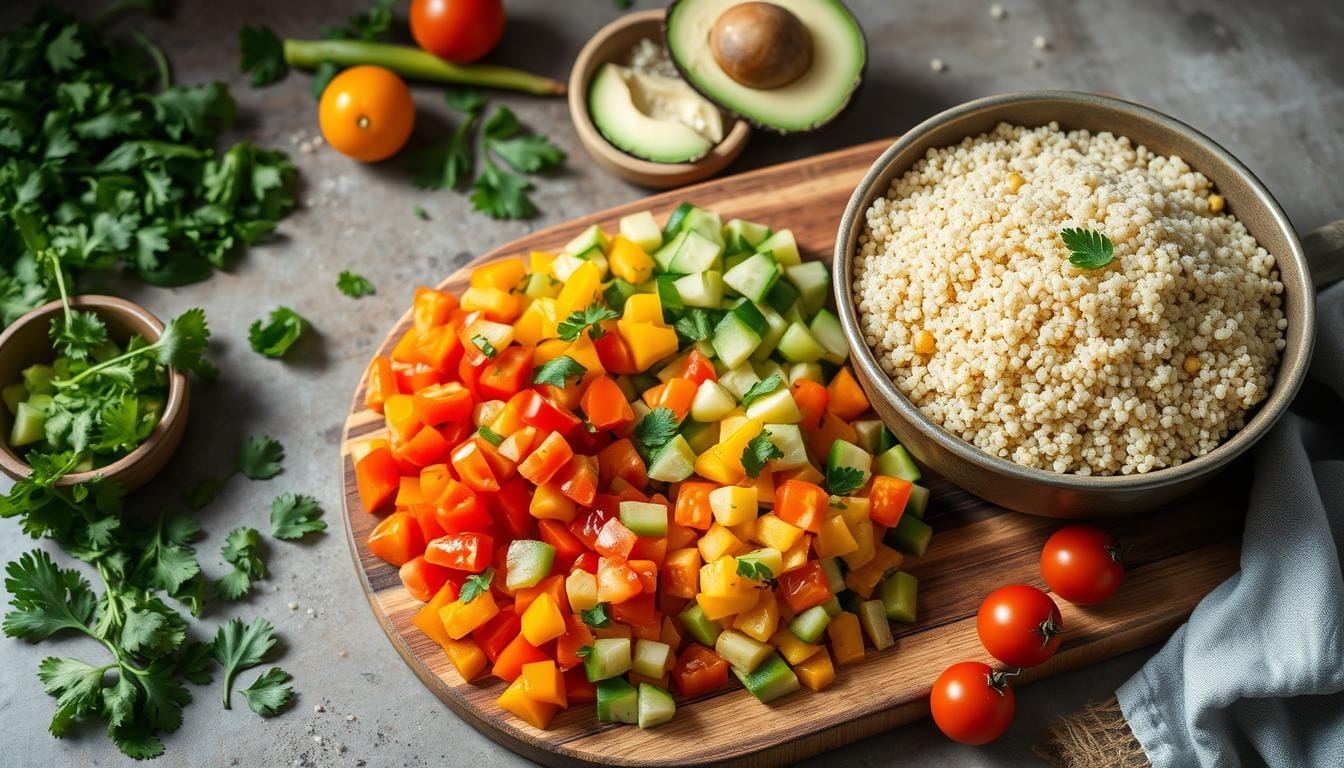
<point>761,45</point>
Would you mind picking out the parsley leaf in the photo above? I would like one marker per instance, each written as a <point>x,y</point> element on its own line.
<point>590,317</point>
<point>268,694</point>
<point>501,195</point>
<point>490,436</point>
<point>259,458</point>
<point>694,325</point>
<point>241,551</point>
<point>354,285</point>
<point>557,371</point>
<point>656,428</point>
<point>754,570</point>
<point>484,345</point>
<point>843,481</point>
<point>294,515</point>
<point>276,337</point>
<point>758,452</point>
<point>1088,249</point>
<point>475,586</point>
<point>238,647</point>
<point>597,617</point>
<point>764,387</point>
<point>446,164</point>
<point>263,55</point>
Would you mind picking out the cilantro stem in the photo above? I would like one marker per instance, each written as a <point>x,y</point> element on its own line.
<point>87,372</point>
<point>160,60</point>
<point>58,273</point>
<point>413,62</point>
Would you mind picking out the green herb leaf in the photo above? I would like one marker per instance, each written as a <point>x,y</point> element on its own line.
<point>276,337</point>
<point>527,154</point>
<point>754,570</point>
<point>843,481</point>
<point>241,551</point>
<point>758,452</point>
<point>354,285</point>
<point>584,651</point>
<point>1088,249</point>
<point>44,598</point>
<point>489,435</point>
<point>502,124</point>
<point>238,647</point>
<point>263,55</point>
<point>268,694</point>
<point>293,516</point>
<point>501,195</point>
<point>694,325</point>
<point>558,371</point>
<point>763,387</point>
<point>323,74</point>
<point>597,617</point>
<point>420,213</point>
<point>260,458</point>
<point>484,345</point>
<point>590,317</point>
<point>657,428</point>
<point>448,163</point>
<point>79,337</point>
<point>467,100</point>
<point>475,586</point>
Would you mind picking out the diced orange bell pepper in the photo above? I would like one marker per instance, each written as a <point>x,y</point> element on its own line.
<point>802,504</point>
<point>519,445</point>
<point>544,682</point>
<point>648,574</point>
<point>468,551</point>
<point>693,510</point>
<point>604,404</point>
<point>516,701</point>
<point>399,410</point>
<point>677,396</point>
<point>442,404</point>
<point>427,447</point>
<point>614,540</point>
<point>542,620</point>
<point>680,537</point>
<point>510,663</point>
<point>404,350</point>
<point>422,578</point>
<point>427,618</point>
<point>699,670</point>
<point>507,373</point>
<point>548,458</point>
<point>567,546</point>
<point>439,348</point>
<point>495,634</point>
<point>817,672</point>
<point>433,479</point>
<point>380,383</point>
<point>504,275</point>
<point>458,509</point>
<point>553,585</point>
<point>578,479</point>
<point>651,548</point>
<point>804,587</point>
<point>461,619</point>
<point>620,459</point>
<point>832,428</point>
<point>467,657</point>
<point>378,478</point>
<point>888,495</point>
<point>473,468</point>
<point>397,539</point>
<point>846,638</point>
<point>549,503</point>
<point>616,581</point>
<point>415,377</point>
<point>848,401</point>
<point>577,635</point>
<point>811,399</point>
<point>493,304</point>
<point>681,572</point>
<point>500,465</point>
<point>432,308</point>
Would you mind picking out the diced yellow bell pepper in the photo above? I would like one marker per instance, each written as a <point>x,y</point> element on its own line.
<point>711,465</point>
<point>717,542</point>
<point>427,618</point>
<point>809,474</point>
<point>581,588</point>
<point>834,539</point>
<point>529,710</point>
<point>503,275</point>
<point>581,289</point>
<point>719,578</point>
<point>855,509</point>
<point>539,262</point>
<point>865,537</point>
<point>733,504</point>
<point>459,618</point>
<point>644,308</point>
<point>495,304</point>
<point>764,485</point>
<point>467,658</point>
<point>791,648</point>
<point>797,555</point>
<point>761,621</point>
<point>863,580</point>
<point>547,351</point>
<point>846,638</point>
<point>549,503</point>
<point>648,343</point>
<point>743,530</point>
<point>816,672</point>
<point>717,608</point>
<point>629,262</point>
<point>773,532</point>
<point>584,353</point>
<point>543,682</point>
<point>727,454</point>
<point>537,323</point>
<point>543,621</point>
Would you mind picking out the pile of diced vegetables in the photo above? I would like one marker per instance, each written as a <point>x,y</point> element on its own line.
<point>637,466</point>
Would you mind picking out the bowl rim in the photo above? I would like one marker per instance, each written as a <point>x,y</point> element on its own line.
<point>14,465</point>
<point>1267,412</point>
<point>580,74</point>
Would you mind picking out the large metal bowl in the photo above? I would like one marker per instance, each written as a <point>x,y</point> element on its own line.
<point>1038,491</point>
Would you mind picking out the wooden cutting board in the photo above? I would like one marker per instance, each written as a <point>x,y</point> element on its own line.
<point>1176,557</point>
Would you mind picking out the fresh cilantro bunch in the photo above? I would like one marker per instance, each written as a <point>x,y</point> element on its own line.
<point>102,157</point>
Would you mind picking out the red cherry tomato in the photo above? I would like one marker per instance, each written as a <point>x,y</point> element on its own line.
<point>971,703</point>
<point>1082,564</point>
<point>460,31</point>
<point>1019,625</point>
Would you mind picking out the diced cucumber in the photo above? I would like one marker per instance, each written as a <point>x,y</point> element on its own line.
<point>702,289</point>
<point>874,437</point>
<point>656,706</point>
<point>541,286</point>
<point>674,462</point>
<point>783,246</point>
<point>700,435</point>
<point>13,395</point>
<point>776,325</point>
<point>735,246</point>
<point>919,501</point>
<point>897,462</point>
<point>37,379</point>
<point>596,256</point>
<point>813,282</point>
<point>788,438</point>
<point>898,592</point>
<point>809,625</point>
<point>644,519</point>
<point>742,652</point>
<point>652,658</point>
<point>826,328</point>
<point>750,315</point>
<point>695,254</point>
<point>527,562</point>
<point>675,219</point>
<point>41,402</point>
<point>617,701</point>
<point>29,425</point>
<point>564,266</point>
<point>773,679</point>
<point>799,345</point>
<point>873,619</point>
<point>663,256</point>
<point>809,371</point>
<point>706,223</point>
<point>734,340</point>
<point>642,230</point>
<point>592,237</point>
<point>751,232</point>
<point>707,349</point>
<point>845,454</point>
<point>782,297</point>
<point>618,292</point>
<point>739,379</point>
<point>767,368</point>
<point>704,629</point>
<point>609,657</point>
<point>754,277</point>
<point>732,259</point>
<point>911,535</point>
<point>777,407</point>
<point>712,402</point>
<point>832,606</point>
<point>834,576</point>
<point>668,295</point>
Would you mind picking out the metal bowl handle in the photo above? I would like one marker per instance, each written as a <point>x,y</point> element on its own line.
<point>1325,253</point>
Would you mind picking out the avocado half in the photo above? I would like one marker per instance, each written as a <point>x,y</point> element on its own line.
<point>817,97</point>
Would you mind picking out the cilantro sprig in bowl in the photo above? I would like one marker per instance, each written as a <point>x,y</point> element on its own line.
<point>104,381</point>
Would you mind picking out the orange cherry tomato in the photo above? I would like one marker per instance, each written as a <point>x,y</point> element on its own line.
<point>460,31</point>
<point>366,113</point>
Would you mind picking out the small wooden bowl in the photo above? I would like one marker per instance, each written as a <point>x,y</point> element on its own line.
<point>26,342</point>
<point>611,43</point>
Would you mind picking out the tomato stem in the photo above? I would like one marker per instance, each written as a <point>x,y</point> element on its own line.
<point>418,64</point>
<point>998,679</point>
<point>1048,629</point>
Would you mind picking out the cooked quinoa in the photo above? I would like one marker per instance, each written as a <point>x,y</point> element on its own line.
<point>966,294</point>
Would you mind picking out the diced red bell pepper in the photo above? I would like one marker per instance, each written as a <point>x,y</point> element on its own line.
<point>613,351</point>
<point>586,526</point>
<point>548,416</point>
<point>577,635</point>
<point>506,374</point>
<point>494,635</point>
<point>415,376</point>
<point>638,611</point>
<point>651,548</point>
<point>590,441</point>
<point>693,510</point>
<point>578,479</point>
<point>397,539</point>
<point>647,570</point>
<point>473,468</point>
<point>459,509</point>
<point>620,459</point>
<point>431,308</point>
<point>500,465</point>
<point>510,508</point>
<point>676,395</point>
<point>567,546</point>
<point>699,670</point>
<point>467,551</point>
<point>604,404</point>
<point>804,587</point>
<point>615,540</point>
<point>422,578</point>
<point>888,495</point>
<point>801,503</point>
<point>578,690</point>
<point>699,369</point>
<point>510,663</point>
<point>617,581</point>
<point>427,447</point>
<point>442,404</point>
<point>547,459</point>
<point>586,561</point>
<point>380,383</point>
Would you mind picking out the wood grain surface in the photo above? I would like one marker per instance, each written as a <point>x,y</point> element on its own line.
<point>1177,555</point>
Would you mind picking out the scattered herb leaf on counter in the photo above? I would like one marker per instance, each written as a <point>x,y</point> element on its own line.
<point>238,647</point>
<point>558,371</point>
<point>240,551</point>
<point>420,213</point>
<point>590,317</point>
<point>1088,249</point>
<point>260,458</point>
<point>263,55</point>
<point>263,52</point>
<point>293,516</point>
<point>842,481</point>
<point>282,329</point>
<point>466,100</point>
<point>501,195</point>
<point>268,694</point>
<point>759,451</point>
<point>354,285</point>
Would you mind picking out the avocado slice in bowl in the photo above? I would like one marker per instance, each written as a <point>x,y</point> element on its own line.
<point>650,116</point>
<point>788,66</point>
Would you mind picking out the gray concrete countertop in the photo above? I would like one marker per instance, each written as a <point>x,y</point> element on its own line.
<point>1264,79</point>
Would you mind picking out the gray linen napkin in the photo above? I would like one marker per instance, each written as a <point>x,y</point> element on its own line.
<point>1256,677</point>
